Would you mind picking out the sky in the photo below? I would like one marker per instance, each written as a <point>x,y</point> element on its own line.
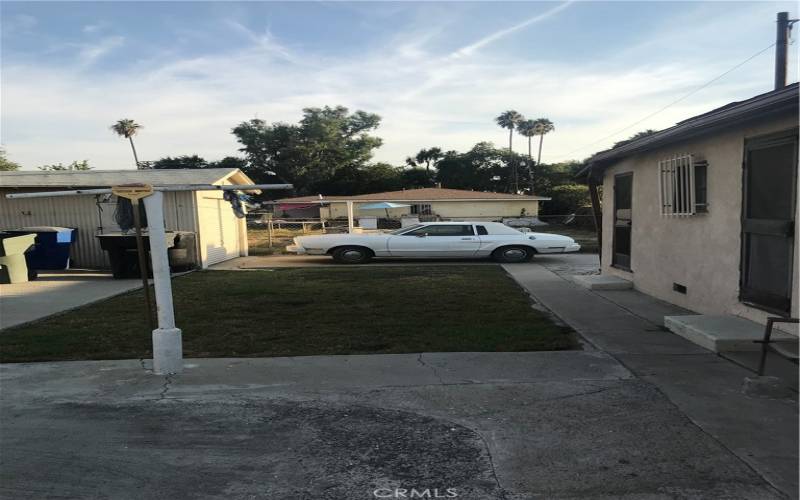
<point>438,73</point>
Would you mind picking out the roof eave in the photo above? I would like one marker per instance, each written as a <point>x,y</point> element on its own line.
<point>236,176</point>
<point>782,101</point>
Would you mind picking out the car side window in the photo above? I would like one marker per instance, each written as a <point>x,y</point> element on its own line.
<point>418,231</point>
<point>482,230</point>
<point>444,230</point>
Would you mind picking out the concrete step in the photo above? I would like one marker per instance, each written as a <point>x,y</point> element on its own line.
<point>722,333</point>
<point>602,282</point>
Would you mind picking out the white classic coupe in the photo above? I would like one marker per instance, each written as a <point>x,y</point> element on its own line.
<point>436,240</point>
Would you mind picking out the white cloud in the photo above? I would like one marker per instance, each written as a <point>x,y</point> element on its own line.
<point>19,24</point>
<point>89,53</point>
<point>471,48</point>
<point>93,28</point>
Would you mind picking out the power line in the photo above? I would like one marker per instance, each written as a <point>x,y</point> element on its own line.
<point>676,101</point>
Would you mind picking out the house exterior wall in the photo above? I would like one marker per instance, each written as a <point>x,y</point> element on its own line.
<point>89,217</point>
<point>472,209</point>
<point>702,251</point>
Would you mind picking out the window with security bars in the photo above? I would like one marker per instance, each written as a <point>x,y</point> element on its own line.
<point>421,209</point>
<point>682,185</point>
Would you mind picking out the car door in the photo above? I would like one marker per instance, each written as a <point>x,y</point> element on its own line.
<point>436,240</point>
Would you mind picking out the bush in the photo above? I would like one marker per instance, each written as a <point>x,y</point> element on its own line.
<point>566,199</point>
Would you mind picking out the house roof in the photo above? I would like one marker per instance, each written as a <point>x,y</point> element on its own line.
<point>780,101</point>
<point>103,178</point>
<point>421,194</point>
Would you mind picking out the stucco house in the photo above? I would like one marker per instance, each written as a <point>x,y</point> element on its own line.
<point>220,235</point>
<point>452,204</point>
<point>703,214</point>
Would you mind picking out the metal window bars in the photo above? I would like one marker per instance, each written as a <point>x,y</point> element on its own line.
<point>677,185</point>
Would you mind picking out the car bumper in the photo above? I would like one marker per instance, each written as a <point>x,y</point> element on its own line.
<point>296,249</point>
<point>572,247</point>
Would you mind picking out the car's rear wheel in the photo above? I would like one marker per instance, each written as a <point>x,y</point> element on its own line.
<point>513,254</point>
<point>352,255</point>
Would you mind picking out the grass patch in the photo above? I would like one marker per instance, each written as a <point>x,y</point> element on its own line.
<point>296,312</point>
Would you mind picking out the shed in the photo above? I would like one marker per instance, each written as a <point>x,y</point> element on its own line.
<point>220,234</point>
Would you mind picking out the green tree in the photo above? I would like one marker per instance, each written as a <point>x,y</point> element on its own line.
<point>352,180</point>
<point>310,153</point>
<point>426,157</point>
<point>184,161</point>
<point>229,162</point>
<point>75,165</point>
<point>637,135</point>
<point>413,178</point>
<point>509,120</point>
<point>7,165</point>
<point>527,128</point>
<point>566,199</point>
<point>127,128</point>
<point>543,126</point>
<point>482,168</point>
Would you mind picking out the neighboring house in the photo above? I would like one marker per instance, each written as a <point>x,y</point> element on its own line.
<point>703,214</point>
<point>220,234</point>
<point>452,204</point>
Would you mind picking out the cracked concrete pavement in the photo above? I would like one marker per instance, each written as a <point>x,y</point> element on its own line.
<point>550,425</point>
<point>573,424</point>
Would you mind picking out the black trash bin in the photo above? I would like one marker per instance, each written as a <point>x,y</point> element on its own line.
<point>123,254</point>
<point>52,247</point>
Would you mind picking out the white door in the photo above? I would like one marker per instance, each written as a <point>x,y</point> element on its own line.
<point>219,230</point>
<point>446,240</point>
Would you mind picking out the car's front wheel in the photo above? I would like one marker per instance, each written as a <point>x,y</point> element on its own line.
<point>513,254</point>
<point>352,255</point>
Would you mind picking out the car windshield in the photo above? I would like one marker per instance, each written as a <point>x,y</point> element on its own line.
<point>407,228</point>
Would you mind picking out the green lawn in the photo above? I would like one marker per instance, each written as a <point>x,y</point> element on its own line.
<point>295,312</point>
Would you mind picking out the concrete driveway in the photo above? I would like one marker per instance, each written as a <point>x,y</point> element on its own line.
<point>481,426</point>
<point>639,413</point>
<point>55,292</point>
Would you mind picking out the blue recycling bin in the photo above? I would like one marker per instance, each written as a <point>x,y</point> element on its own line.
<point>52,247</point>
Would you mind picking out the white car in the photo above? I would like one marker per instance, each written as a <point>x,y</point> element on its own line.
<point>436,240</point>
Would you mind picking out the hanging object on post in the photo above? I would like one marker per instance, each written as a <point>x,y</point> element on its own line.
<point>132,193</point>
<point>236,203</point>
<point>126,194</point>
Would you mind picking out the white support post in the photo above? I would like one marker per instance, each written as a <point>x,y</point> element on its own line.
<point>350,224</point>
<point>167,342</point>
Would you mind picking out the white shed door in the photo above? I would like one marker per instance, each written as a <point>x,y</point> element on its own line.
<point>219,230</point>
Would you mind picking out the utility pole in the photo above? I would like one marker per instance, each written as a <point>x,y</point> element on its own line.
<point>781,48</point>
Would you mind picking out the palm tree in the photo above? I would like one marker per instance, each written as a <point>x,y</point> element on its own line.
<point>509,120</point>
<point>127,128</point>
<point>427,156</point>
<point>543,126</point>
<point>527,128</point>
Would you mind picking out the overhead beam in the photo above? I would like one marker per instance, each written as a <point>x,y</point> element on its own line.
<point>176,187</point>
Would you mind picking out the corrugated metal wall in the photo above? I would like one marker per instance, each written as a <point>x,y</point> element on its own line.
<point>90,215</point>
